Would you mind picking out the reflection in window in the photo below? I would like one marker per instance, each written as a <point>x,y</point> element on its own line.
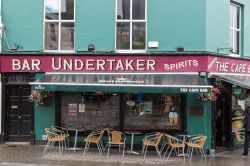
<point>59,29</point>
<point>152,111</point>
<point>99,110</point>
<point>131,25</point>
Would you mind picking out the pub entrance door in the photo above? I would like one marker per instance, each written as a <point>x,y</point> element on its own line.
<point>19,113</point>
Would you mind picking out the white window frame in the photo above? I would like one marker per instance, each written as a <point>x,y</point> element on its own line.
<point>235,29</point>
<point>130,20</point>
<point>59,21</point>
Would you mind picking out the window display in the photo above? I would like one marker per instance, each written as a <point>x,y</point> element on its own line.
<point>152,111</point>
<point>90,110</point>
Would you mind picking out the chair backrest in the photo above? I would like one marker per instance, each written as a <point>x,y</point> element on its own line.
<point>202,140</point>
<point>239,136</point>
<point>48,133</point>
<point>116,136</point>
<point>158,137</point>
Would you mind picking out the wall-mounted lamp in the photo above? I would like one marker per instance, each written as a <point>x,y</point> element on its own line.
<point>15,47</point>
<point>229,48</point>
<point>91,48</point>
<point>180,49</point>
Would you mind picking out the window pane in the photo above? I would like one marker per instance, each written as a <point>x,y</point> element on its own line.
<point>138,10</point>
<point>237,42</point>
<point>138,35</point>
<point>123,9</point>
<point>231,39</point>
<point>152,111</point>
<point>100,110</point>
<point>123,35</point>
<point>237,21</point>
<point>67,9</point>
<point>67,36</point>
<point>52,9</point>
<point>51,36</point>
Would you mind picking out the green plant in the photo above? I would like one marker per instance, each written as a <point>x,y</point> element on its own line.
<point>39,97</point>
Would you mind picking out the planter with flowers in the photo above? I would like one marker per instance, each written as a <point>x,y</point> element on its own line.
<point>209,96</point>
<point>41,97</point>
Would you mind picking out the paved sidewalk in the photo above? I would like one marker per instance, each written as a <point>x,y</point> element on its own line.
<point>33,156</point>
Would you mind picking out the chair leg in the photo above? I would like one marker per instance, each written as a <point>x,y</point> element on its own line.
<point>123,150</point>
<point>99,148</point>
<point>145,152</point>
<point>47,146</point>
<point>166,151</point>
<point>170,153</point>
<point>158,152</point>
<point>143,148</point>
<point>191,153</point>
<point>108,150</point>
<point>85,148</point>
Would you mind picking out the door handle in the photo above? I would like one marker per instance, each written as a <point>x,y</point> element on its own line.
<point>19,117</point>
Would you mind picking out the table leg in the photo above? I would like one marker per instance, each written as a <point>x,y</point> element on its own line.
<point>132,143</point>
<point>76,134</point>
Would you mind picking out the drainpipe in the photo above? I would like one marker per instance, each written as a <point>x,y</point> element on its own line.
<point>1,27</point>
<point>1,37</point>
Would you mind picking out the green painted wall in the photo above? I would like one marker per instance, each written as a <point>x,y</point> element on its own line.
<point>44,116</point>
<point>177,23</point>
<point>95,23</point>
<point>23,23</point>
<point>217,25</point>
<point>199,124</point>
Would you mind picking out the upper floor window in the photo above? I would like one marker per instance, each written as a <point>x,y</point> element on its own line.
<point>131,25</point>
<point>59,25</point>
<point>235,29</point>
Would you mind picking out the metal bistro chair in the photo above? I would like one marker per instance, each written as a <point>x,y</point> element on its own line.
<point>173,143</point>
<point>196,143</point>
<point>116,138</point>
<point>95,137</point>
<point>64,132</point>
<point>52,138</point>
<point>153,140</point>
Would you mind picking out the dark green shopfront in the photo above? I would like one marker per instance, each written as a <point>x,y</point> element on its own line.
<point>147,93</point>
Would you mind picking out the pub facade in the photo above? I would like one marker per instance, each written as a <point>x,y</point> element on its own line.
<point>131,71</point>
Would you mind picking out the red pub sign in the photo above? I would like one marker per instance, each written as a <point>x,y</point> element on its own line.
<point>126,63</point>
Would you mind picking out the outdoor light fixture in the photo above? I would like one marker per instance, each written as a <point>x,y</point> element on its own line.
<point>15,47</point>
<point>230,49</point>
<point>179,49</point>
<point>91,48</point>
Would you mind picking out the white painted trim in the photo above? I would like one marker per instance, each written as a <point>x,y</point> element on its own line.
<point>227,74</point>
<point>130,21</point>
<point>96,73</point>
<point>235,29</point>
<point>59,21</point>
<point>119,85</point>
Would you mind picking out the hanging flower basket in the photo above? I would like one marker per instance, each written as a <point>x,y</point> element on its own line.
<point>213,96</point>
<point>40,97</point>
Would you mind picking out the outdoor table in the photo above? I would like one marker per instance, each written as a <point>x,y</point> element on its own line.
<point>184,137</point>
<point>132,133</point>
<point>76,130</point>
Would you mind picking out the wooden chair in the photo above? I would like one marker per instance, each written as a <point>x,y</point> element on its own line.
<point>196,143</point>
<point>52,138</point>
<point>95,137</point>
<point>173,143</point>
<point>116,138</point>
<point>151,140</point>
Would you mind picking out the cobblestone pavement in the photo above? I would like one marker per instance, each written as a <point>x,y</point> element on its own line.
<point>27,155</point>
